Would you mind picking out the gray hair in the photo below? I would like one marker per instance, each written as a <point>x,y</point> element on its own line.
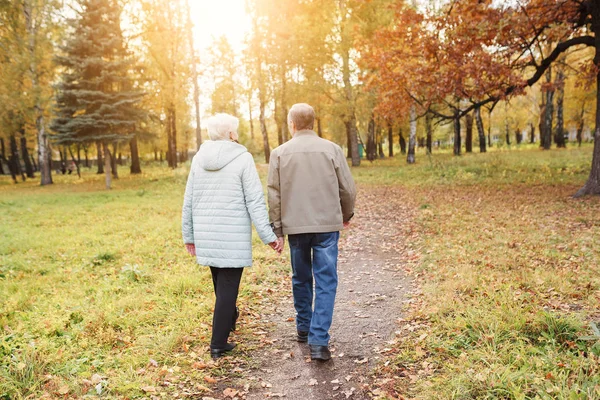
<point>303,116</point>
<point>221,125</point>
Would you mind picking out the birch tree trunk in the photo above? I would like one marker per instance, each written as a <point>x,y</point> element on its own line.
<point>44,153</point>
<point>194,79</point>
<point>412,139</point>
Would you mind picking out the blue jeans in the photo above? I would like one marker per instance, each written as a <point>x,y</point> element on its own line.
<point>314,254</point>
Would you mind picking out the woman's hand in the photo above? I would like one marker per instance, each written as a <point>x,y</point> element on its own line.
<point>191,248</point>
<point>278,245</point>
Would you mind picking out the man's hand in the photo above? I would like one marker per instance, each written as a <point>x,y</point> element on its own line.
<point>191,249</point>
<point>278,245</point>
<point>346,224</point>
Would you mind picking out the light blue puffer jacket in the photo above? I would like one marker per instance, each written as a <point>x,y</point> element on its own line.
<point>223,196</point>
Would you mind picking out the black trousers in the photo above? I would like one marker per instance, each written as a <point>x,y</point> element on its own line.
<point>226,282</point>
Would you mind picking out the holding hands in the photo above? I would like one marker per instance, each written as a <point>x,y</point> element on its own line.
<point>278,245</point>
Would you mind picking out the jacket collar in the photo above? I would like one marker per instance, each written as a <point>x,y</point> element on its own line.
<point>305,132</point>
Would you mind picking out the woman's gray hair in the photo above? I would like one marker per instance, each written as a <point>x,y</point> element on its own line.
<point>221,125</point>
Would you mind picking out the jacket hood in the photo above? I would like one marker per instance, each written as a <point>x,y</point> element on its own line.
<point>214,155</point>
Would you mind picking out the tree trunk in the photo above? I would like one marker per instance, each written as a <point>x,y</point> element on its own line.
<point>79,153</point>
<point>429,133</point>
<point>173,138</point>
<point>580,132</point>
<point>457,138</point>
<point>319,128</point>
<point>278,122</point>
<point>14,150</point>
<point>506,125</point>
<point>2,156</point>
<point>548,114</point>
<point>86,153</point>
<point>10,160</point>
<point>251,120</point>
<point>194,81</point>
<point>262,102</point>
<point>469,135</point>
<point>76,162</point>
<point>99,160</point>
<point>489,135</point>
<point>390,140</point>
<point>402,142</point>
<point>480,130</point>
<point>135,156</point>
<point>371,146</point>
<point>532,133</point>
<point>351,112</point>
<point>44,152</point>
<point>560,97</point>
<point>35,166</point>
<point>380,147</point>
<point>25,156</point>
<point>592,186</point>
<point>107,164</point>
<point>284,111</point>
<point>113,162</point>
<point>348,139</point>
<point>63,159</point>
<point>412,139</point>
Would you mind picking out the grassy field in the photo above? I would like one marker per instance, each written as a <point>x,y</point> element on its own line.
<point>510,270</point>
<point>97,295</point>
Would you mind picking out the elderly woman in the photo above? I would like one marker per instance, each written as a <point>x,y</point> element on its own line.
<point>223,197</point>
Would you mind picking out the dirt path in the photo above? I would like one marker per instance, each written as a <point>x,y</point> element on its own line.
<point>372,290</point>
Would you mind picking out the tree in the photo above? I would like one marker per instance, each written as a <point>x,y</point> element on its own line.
<point>194,68</point>
<point>167,70</point>
<point>96,98</point>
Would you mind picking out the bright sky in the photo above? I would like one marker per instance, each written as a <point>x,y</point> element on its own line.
<point>214,18</point>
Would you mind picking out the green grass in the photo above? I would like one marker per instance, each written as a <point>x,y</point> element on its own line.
<point>510,272</point>
<point>525,165</point>
<point>98,282</point>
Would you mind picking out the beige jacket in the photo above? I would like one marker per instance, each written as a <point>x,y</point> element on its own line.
<point>310,186</point>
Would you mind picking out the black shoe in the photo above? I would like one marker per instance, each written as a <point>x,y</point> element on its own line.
<point>216,353</point>
<point>302,337</point>
<point>320,353</point>
<point>235,318</point>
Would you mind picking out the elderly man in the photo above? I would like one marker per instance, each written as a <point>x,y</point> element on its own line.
<point>311,198</point>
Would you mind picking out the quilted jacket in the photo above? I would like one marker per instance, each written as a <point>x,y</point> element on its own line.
<point>223,197</point>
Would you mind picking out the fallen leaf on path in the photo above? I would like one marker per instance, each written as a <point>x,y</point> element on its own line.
<point>199,365</point>
<point>313,382</point>
<point>63,390</point>
<point>209,379</point>
<point>335,381</point>
<point>229,392</point>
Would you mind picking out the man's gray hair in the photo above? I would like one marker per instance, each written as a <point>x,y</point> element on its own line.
<point>303,116</point>
<point>221,125</point>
